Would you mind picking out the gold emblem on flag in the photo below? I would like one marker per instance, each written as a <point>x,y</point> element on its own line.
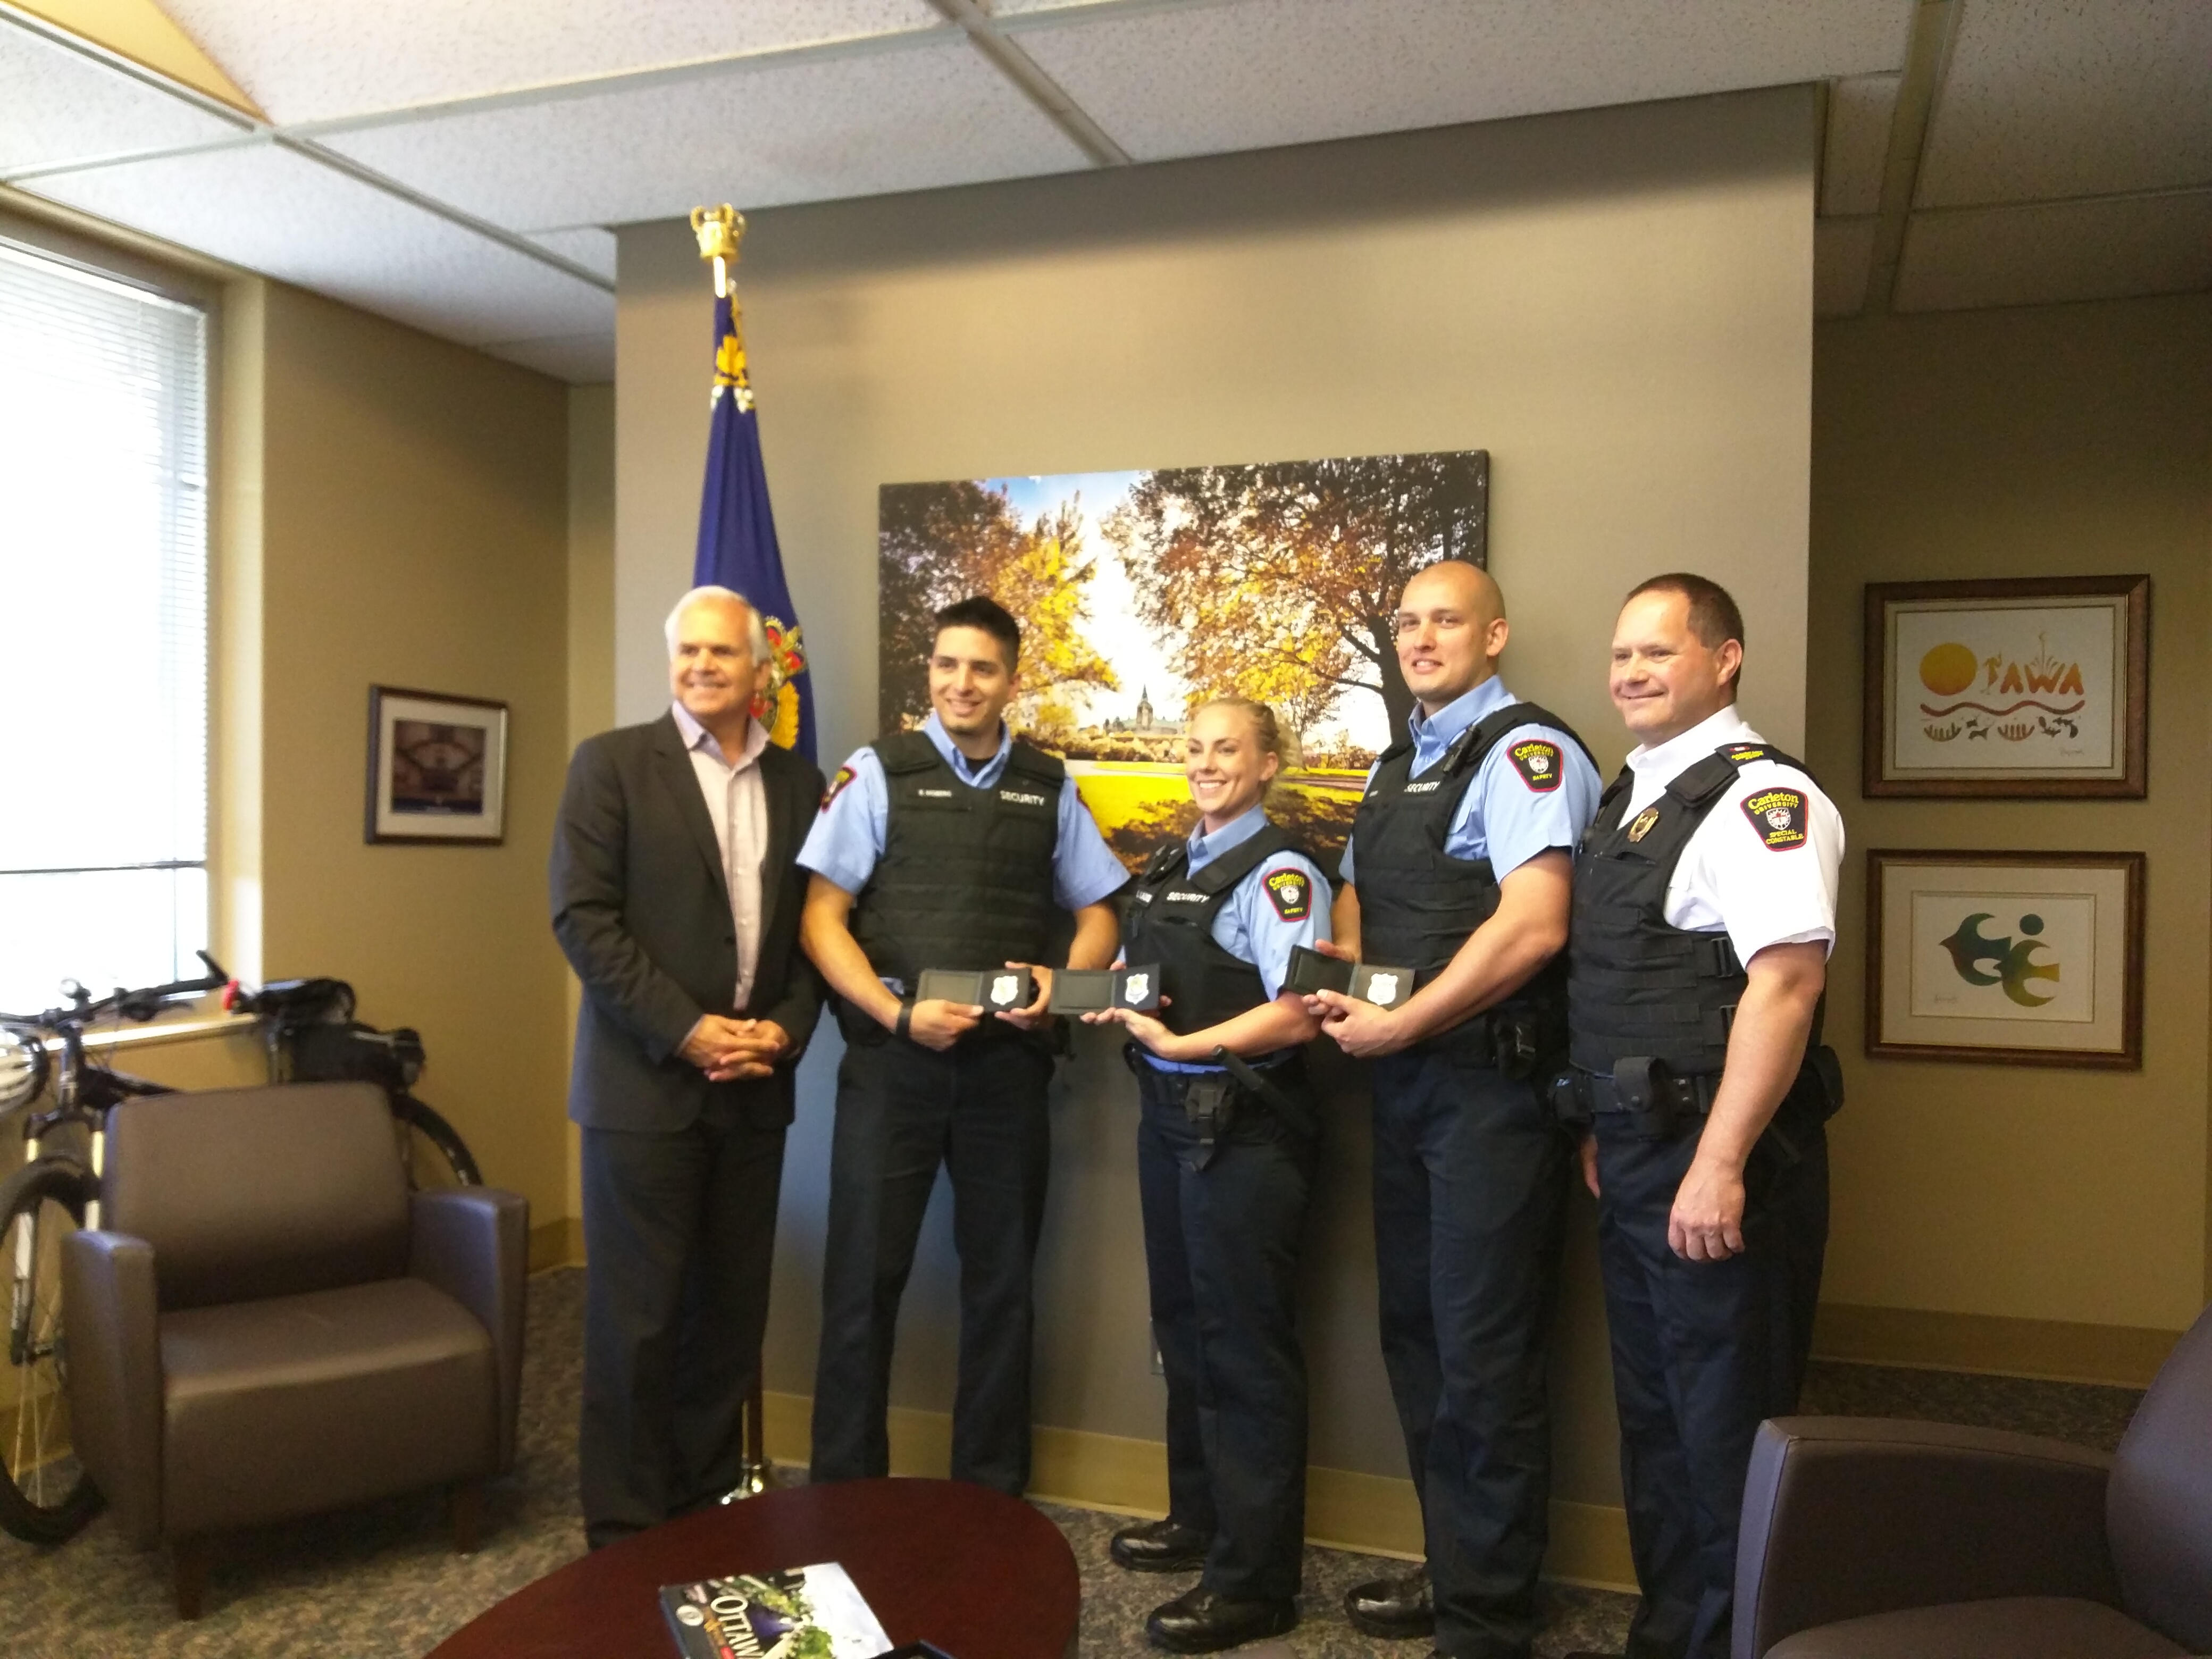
<point>777,707</point>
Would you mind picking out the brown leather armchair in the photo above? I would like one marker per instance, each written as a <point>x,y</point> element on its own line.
<point>1865,1538</point>
<point>268,1323</point>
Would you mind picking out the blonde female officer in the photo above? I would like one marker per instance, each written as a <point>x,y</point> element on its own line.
<point>1225,1153</point>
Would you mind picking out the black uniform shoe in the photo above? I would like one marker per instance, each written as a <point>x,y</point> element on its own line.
<point>1393,1608</point>
<point>1161,1547</point>
<point>1199,1621</point>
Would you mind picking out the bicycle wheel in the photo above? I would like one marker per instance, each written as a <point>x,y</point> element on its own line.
<point>432,1153</point>
<point>45,1496</point>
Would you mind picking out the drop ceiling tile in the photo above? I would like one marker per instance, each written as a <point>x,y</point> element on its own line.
<point>58,106</point>
<point>579,359</point>
<point>2045,98</point>
<point>285,215</point>
<point>591,246</point>
<point>2049,252</point>
<point>1843,252</point>
<point>1857,149</point>
<point>309,60</point>
<point>801,132</point>
<point>1196,80</point>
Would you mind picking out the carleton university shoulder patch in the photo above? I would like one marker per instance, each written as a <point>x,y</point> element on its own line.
<point>1778,817</point>
<point>1537,760</point>
<point>836,785</point>
<point>1291,893</point>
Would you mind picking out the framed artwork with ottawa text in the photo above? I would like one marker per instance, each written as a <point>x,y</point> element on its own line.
<point>437,767</point>
<point>2035,686</point>
<point>2006,959</point>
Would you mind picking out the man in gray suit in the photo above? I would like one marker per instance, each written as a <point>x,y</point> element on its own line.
<point>676,902</point>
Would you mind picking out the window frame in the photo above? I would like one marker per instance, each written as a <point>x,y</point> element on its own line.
<point>67,238</point>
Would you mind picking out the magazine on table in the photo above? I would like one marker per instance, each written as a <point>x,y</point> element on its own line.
<point>794,1613</point>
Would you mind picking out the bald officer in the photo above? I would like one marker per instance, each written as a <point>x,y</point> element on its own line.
<point>1704,908</point>
<point>951,847</point>
<point>1458,868</point>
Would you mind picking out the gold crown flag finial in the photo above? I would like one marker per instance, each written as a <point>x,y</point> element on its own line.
<point>720,230</point>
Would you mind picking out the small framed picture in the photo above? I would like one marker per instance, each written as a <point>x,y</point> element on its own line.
<point>2035,686</point>
<point>437,767</point>
<point>2006,959</point>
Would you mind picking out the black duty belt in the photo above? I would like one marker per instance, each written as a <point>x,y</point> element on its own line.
<point>1680,1094</point>
<point>1210,1099</point>
<point>1658,1102</point>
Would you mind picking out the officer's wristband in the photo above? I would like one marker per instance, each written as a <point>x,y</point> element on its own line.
<point>906,1019</point>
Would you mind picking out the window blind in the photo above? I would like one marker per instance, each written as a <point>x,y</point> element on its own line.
<point>103,632</point>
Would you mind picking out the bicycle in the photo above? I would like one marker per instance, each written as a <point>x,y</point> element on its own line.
<point>44,1496</point>
<point>313,1037</point>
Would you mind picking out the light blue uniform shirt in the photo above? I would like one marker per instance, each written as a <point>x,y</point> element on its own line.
<point>1248,926</point>
<point>1501,816</point>
<point>847,836</point>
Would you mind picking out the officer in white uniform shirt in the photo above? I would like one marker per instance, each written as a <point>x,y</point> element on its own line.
<point>1703,911</point>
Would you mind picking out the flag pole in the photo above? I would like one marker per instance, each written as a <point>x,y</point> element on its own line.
<point>720,231</point>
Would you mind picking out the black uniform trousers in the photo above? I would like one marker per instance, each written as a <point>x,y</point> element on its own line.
<point>1224,1228</point>
<point>980,1110</point>
<point>679,1233</point>
<point>1470,1195</point>
<point>1702,1352</point>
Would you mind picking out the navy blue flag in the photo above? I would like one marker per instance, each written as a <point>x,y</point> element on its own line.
<point>737,538</point>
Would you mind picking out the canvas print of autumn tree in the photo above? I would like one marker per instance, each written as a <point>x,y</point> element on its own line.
<point>1141,594</point>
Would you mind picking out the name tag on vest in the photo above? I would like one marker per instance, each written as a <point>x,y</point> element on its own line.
<point>935,794</point>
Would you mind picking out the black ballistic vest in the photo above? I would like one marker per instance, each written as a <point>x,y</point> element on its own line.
<point>1418,905</point>
<point>965,879</point>
<point>1636,985</point>
<point>1171,921</point>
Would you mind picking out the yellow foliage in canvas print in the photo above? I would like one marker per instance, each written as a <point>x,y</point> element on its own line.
<point>1141,594</point>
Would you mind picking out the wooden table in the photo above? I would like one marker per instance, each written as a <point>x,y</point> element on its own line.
<point>982,1575</point>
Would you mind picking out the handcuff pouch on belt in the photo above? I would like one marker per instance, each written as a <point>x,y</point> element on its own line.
<point>1521,1040</point>
<point>1658,1103</point>
<point>1209,1102</point>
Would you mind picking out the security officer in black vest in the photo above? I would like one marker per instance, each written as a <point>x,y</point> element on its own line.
<point>953,847</point>
<point>1226,1147</point>
<point>1463,846</point>
<point>1705,908</point>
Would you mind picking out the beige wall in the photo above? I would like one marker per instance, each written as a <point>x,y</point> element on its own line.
<point>2056,441</point>
<point>413,532</point>
<point>1617,305</point>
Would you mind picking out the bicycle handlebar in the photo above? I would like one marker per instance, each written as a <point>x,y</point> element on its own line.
<point>140,1005</point>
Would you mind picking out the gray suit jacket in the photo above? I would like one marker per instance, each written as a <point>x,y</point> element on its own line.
<point>642,914</point>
